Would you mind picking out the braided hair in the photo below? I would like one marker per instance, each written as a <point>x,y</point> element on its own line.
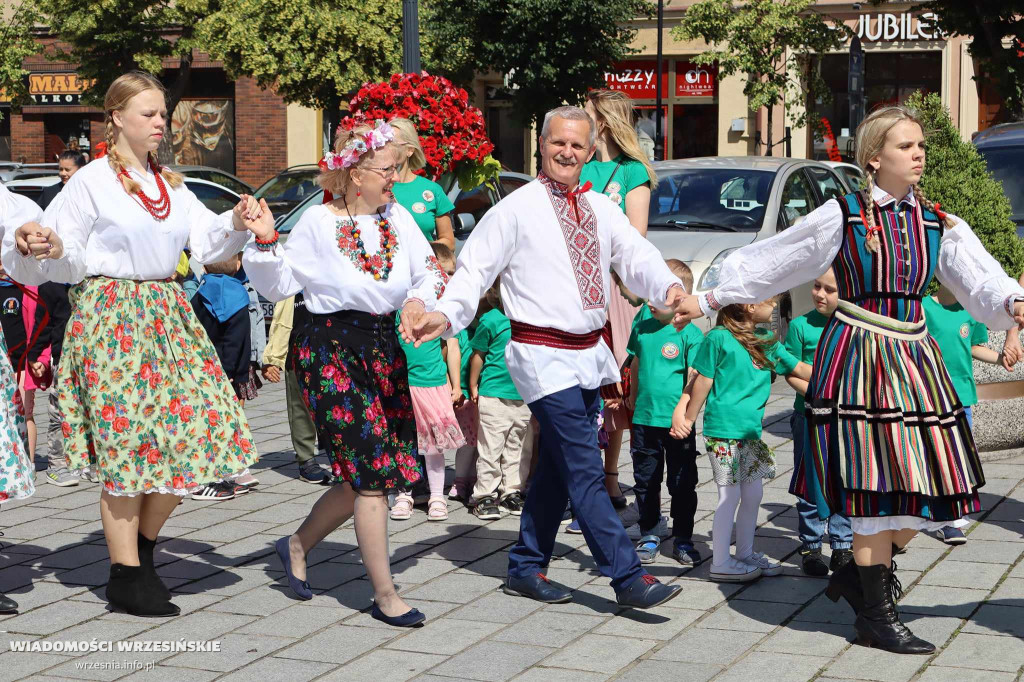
<point>120,92</point>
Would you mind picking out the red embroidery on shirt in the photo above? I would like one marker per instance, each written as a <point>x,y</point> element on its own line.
<point>582,240</point>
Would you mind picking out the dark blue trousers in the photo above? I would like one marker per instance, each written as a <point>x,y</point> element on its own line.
<point>570,466</point>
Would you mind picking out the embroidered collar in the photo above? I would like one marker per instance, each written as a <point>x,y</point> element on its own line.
<point>883,198</point>
<point>561,189</point>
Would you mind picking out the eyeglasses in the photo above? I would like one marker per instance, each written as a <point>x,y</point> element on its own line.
<point>387,171</point>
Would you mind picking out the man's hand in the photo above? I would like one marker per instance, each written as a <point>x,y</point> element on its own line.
<point>685,307</point>
<point>271,373</point>
<point>32,239</point>
<point>420,326</point>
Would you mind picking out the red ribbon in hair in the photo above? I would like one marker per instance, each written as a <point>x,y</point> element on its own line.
<point>941,214</point>
<point>328,197</point>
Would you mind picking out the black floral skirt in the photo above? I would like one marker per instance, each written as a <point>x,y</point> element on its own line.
<point>353,377</point>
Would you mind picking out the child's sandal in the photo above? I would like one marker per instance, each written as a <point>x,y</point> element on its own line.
<point>402,511</point>
<point>437,509</point>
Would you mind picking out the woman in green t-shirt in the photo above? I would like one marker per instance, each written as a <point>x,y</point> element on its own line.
<point>735,367</point>
<point>621,171</point>
<point>425,199</point>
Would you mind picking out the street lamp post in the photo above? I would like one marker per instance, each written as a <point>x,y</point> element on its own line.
<point>410,36</point>
<point>659,145</point>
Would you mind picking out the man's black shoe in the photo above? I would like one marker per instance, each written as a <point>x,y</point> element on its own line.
<point>537,586</point>
<point>646,592</point>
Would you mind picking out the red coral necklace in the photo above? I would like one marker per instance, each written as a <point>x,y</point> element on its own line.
<point>159,209</point>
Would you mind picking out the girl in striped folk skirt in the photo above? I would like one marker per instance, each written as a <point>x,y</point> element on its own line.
<point>889,442</point>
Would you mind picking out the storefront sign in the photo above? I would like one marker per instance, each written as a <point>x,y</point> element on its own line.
<point>56,88</point>
<point>639,79</point>
<point>906,26</point>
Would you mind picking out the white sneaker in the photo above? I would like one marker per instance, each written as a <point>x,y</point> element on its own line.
<point>661,530</point>
<point>767,566</point>
<point>734,571</point>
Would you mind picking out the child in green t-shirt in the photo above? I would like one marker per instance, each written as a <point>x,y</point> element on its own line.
<point>961,340</point>
<point>458,354</point>
<point>437,429</point>
<point>661,365</point>
<point>735,367</point>
<point>503,437</point>
<point>802,341</point>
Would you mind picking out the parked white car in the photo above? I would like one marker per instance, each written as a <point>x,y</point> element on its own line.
<point>704,209</point>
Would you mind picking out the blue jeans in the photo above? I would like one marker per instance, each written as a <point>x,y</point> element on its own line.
<point>570,467</point>
<point>811,526</point>
<point>970,417</point>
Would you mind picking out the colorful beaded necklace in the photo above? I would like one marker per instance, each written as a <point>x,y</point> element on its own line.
<point>350,243</point>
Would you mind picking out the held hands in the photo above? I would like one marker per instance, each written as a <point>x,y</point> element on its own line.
<point>1012,350</point>
<point>32,239</point>
<point>474,393</point>
<point>254,215</point>
<point>271,373</point>
<point>458,397</point>
<point>681,426</point>
<point>684,307</point>
<point>418,326</point>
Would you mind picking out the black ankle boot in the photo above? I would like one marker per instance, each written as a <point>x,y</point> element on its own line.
<point>150,579</point>
<point>845,583</point>
<point>7,605</point>
<point>878,624</point>
<point>127,590</point>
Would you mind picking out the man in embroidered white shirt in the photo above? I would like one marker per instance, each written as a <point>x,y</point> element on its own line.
<point>553,243</point>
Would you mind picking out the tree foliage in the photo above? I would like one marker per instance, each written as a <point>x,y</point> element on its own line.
<point>552,51</point>
<point>311,52</point>
<point>988,23</point>
<point>112,37</point>
<point>16,43</point>
<point>769,42</point>
<point>956,176</point>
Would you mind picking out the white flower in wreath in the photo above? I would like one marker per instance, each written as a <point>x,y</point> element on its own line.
<point>419,207</point>
<point>428,195</point>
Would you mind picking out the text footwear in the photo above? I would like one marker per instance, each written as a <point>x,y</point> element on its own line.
<point>299,587</point>
<point>767,566</point>
<point>538,587</point>
<point>646,592</point>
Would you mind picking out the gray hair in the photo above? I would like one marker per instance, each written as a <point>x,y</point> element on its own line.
<point>569,113</point>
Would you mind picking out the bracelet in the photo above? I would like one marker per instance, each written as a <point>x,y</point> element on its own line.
<point>267,245</point>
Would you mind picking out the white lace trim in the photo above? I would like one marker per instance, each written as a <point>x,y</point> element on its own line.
<point>880,524</point>
<point>162,490</point>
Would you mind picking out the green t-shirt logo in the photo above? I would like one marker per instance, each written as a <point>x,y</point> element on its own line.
<point>965,330</point>
<point>670,351</point>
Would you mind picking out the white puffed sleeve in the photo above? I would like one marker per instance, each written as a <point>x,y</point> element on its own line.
<point>976,278</point>
<point>485,255</point>
<point>276,273</point>
<point>638,261</point>
<point>428,279</point>
<point>771,266</point>
<point>15,211</point>
<point>212,236</point>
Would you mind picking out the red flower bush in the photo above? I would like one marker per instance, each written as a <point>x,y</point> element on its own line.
<point>453,133</point>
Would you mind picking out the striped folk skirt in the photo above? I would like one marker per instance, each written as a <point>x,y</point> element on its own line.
<point>144,398</point>
<point>886,433</point>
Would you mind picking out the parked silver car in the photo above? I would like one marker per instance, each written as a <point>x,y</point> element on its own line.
<point>704,209</point>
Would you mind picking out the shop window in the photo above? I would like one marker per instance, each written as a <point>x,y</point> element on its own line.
<point>694,130</point>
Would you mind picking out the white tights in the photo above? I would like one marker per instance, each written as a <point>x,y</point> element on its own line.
<point>435,474</point>
<point>746,496</point>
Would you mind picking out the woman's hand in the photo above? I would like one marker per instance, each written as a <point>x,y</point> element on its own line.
<point>32,239</point>
<point>254,215</point>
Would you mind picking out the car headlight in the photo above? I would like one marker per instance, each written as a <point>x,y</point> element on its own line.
<point>709,280</point>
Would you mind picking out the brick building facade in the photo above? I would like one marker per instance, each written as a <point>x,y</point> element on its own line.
<point>233,125</point>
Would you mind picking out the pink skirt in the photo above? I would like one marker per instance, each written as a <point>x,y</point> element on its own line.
<point>468,418</point>
<point>28,313</point>
<point>436,427</point>
<point>620,314</point>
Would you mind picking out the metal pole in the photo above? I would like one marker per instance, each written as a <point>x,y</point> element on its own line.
<point>410,36</point>
<point>659,145</point>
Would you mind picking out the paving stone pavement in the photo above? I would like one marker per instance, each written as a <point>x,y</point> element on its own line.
<point>218,558</point>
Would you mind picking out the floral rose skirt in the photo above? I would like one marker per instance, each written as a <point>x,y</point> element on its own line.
<point>354,380</point>
<point>17,472</point>
<point>144,398</point>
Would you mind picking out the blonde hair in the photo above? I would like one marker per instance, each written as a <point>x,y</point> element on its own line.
<point>119,94</point>
<point>871,136</point>
<point>615,110</point>
<point>737,320</point>
<point>443,253</point>
<point>336,181</point>
<point>408,137</point>
<point>682,271</point>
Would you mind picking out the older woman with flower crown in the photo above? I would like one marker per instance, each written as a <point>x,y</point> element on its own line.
<point>357,259</point>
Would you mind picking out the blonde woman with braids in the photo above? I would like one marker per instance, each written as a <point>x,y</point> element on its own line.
<point>621,171</point>
<point>425,199</point>
<point>144,399</point>
<point>889,444</point>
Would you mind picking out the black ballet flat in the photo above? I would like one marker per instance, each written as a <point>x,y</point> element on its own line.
<point>410,619</point>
